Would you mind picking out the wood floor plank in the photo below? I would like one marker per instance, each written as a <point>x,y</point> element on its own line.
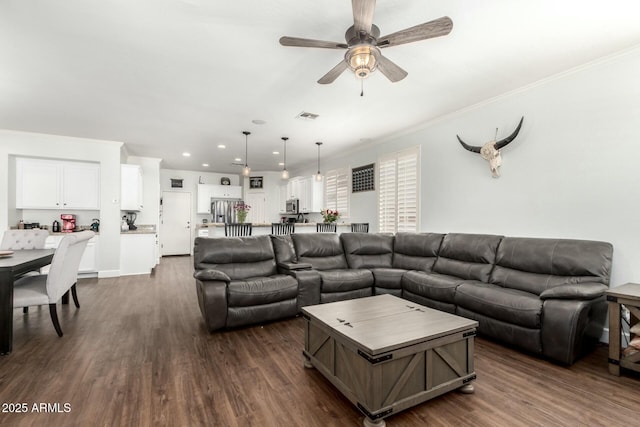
<point>138,354</point>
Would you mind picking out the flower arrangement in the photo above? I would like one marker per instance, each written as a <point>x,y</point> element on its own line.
<point>330,215</point>
<point>241,209</point>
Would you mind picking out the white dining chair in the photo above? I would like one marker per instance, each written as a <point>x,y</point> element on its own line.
<point>63,274</point>
<point>16,240</point>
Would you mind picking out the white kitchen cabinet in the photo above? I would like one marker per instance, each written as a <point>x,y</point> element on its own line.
<point>283,197</point>
<point>203,232</point>
<point>226,191</point>
<point>206,192</point>
<point>131,188</point>
<point>137,253</point>
<point>308,191</point>
<point>89,260</point>
<point>52,184</point>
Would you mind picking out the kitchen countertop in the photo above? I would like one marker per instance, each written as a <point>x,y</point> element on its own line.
<point>142,229</point>
<point>268,224</point>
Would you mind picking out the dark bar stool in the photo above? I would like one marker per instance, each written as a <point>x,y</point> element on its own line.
<point>360,227</point>
<point>323,227</point>
<point>279,228</point>
<point>237,229</point>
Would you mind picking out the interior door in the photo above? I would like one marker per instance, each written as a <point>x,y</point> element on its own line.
<point>175,224</point>
<point>257,213</point>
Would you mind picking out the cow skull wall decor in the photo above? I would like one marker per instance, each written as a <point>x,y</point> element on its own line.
<point>491,150</point>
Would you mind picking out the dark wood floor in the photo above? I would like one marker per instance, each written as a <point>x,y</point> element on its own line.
<point>137,354</point>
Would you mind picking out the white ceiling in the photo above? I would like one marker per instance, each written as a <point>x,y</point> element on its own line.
<point>167,76</point>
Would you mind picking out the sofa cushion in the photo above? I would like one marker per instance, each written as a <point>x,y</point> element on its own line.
<point>322,250</point>
<point>467,256</point>
<point>283,248</point>
<point>261,290</point>
<point>364,250</point>
<point>535,265</point>
<point>434,286</point>
<point>388,278</point>
<point>416,251</point>
<point>237,257</point>
<point>345,280</point>
<point>509,305</point>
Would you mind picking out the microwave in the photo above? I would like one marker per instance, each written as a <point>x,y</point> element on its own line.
<point>292,206</point>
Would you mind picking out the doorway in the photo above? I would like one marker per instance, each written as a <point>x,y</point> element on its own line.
<point>257,201</point>
<point>175,223</point>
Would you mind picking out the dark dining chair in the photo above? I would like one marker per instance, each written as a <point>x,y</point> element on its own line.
<point>360,227</point>
<point>279,228</point>
<point>323,227</point>
<point>236,229</point>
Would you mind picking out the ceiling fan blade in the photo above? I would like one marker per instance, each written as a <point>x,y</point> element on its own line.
<point>436,28</point>
<point>392,71</point>
<point>363,14</point>
<point>299,42</point>
<point>333,74</point>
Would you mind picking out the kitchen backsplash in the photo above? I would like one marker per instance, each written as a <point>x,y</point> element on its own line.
<point>46,217</point>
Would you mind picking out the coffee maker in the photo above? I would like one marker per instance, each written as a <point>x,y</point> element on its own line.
<point>68,223</point>
<point>131,219</point>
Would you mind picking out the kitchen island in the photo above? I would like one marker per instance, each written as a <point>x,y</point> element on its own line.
<point>216,229</point>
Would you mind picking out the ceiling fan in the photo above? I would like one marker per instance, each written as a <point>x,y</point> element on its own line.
<point>363,43</point>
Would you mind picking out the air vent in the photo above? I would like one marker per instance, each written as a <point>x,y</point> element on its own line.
<point>307,116</point>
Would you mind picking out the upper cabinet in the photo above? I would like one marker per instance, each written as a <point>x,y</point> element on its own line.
<point>206,192</point>
<point>131,188</point>
<point>52,184</point>
<point>308,191</point>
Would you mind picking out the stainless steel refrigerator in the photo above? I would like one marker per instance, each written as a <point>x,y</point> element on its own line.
<point>222,210</point>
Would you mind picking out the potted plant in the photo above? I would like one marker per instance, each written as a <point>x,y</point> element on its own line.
<point>330,215</point>
<point>241,209</point>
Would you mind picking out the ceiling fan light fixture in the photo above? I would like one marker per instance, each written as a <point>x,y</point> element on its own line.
<point>362,60</point>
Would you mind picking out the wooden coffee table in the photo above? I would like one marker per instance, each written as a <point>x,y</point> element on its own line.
<point>386,354</point>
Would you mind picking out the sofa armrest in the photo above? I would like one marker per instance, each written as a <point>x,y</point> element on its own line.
<point>575,291</point>
<point>206,275</point>
<point>293,266</point>
<point>309,283</point>
<point>212,299</point>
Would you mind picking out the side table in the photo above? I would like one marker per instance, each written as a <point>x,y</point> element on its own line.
<point>629,296</point>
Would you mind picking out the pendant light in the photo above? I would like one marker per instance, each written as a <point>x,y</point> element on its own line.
<point>246,170</point>
<point>285,172</point>
<point>318,175</point>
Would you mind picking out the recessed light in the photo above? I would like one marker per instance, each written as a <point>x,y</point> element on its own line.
<point>186,154</point>
<point>281,164</point>
<point>206,165</point>
<point>276,152</point>
<point>237,159</point>
<point>222,146</point>
<point>258,122</point>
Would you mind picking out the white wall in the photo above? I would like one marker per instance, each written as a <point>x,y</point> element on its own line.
<point>107,153</point>
<point>573,172</point>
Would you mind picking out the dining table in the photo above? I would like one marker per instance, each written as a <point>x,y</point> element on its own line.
<point>12,267</point>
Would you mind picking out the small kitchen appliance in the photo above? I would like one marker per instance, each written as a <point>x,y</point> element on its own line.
<point>292,206</point>
<point>131,219</point>
<point>68,223</point>
<point>55,227</point>
<point>95,225</point>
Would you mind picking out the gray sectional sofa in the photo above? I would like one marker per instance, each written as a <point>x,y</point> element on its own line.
<point>545,296</point>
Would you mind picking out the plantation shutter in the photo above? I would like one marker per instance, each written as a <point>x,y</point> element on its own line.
<point>337,191</point>
<point>398,200</point>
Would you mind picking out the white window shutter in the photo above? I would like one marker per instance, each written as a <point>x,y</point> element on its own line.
<point>398,194</point>
<point>337,191</point>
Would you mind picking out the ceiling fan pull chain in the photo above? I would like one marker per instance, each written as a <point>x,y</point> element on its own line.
<point>361,87</point>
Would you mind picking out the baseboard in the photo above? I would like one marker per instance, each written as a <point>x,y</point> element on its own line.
<point>102,274</point>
